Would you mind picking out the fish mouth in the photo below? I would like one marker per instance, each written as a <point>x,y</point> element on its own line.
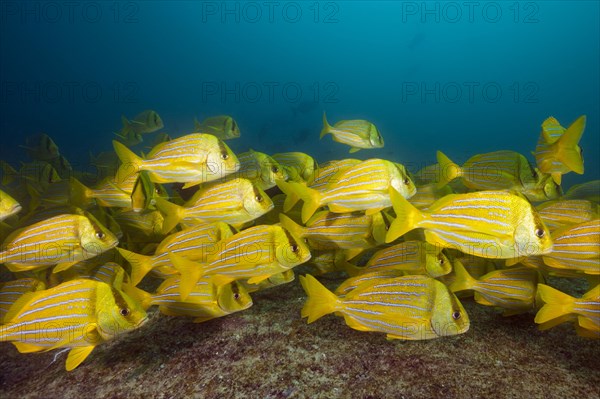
<point>142,322</point>
<point>15,209</point>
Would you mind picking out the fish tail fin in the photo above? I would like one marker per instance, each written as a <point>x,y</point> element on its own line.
<point>142,297</point>
<point>291,198</point>
<point>352,269</point>
<point>311,197</point>
<point>172,213</point>
<point>197,125</point>
<point>130,162</point>
<point>568,152</point>
<point>556,303</point>
<point>81,195</point>
<point>320,300</point>
<point>140,264</point>
<point>190,274</point>
<point>463,280</point>
<point>291,226</point>
<point>448,170</point>
<point>326,126</point>
<point>407,216</point>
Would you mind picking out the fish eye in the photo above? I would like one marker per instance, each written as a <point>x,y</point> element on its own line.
<point>442,261</point>
<point>100,235</point>
<point>224,156</point>
<point>539,232</point>
<point>274,169</point>
<point>406,181</point>
<point>295,248</point>
<point>124,312</point>
<point>456,315</point>
<point>236,296</point>
<point>258,198</point>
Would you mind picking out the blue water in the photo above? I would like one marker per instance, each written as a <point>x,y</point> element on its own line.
<point>431,76</point>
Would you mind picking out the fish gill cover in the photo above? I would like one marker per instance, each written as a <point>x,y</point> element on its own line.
<point>173,176</point>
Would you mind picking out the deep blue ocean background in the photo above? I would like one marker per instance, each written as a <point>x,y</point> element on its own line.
<point>432,76</point>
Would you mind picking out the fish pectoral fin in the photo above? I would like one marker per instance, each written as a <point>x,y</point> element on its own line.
<point>190,184</point>
<point>587,323</point>
<point>24,347</point>
<point>557,177</point>
<point>514,261</point>
<point>353,150</point>
<point>481,300</point>
<point>373,211</point>
<point>63,266</point>
<point>258,279</point>
<point>77,355</point>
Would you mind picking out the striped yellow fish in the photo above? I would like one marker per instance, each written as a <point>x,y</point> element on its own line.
<point>327,230</point>
<point>489,224</point>
<point>62,240</point>
<point>499,170</point>
<point>410,257</point>
<point>273,281</point>
<point>206,301</point>
<point>586,191</point>
<point>300,167</point>
<point>192,159</point>
<point>108,193</point>
<point>8,206</point>
<point>557,151</point>
<point>78,314</point>
<point>511,289</point>
<point>233,201</point>
<point>409,307</point>
<point>260,169</point>
<point>362,187</point>
<point>141,226</point>
<point>195,243</point>
<point>222,126</point>
<point>576,248</point>
<point>13,290</point>
<point>560,307</point>
<point>563,213</point>
<point>254,254</point>
<point>356,133</point>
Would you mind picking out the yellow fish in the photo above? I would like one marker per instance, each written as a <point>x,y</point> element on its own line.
<point>489,224</point>
<point>78,314</point>
<point>356,133</point>
<point>576,248</point>
<point>426,195</point>
<point>408,307</point>
<point>273,281</point>
<point>8,206</point>
<point>233,201</point>
<point>195,243</point>
<point>499,170</point>
<point>557,151</point>
<point>559,307</point>
<point>362,187</point>
<point>206,301</point>
<point>141,226</point>
<point>558,214</point>
<point>410,257</point>
<point>259,168</point>
<point>511,289</point>
<point>328,172</point>
<point>350,231</point>
<point>222,126</point>
<point>300,167</point>
<point>369,277</point>
<point>192,159</point>
<point>254,254</point>
<point>62,240</point>
<point>147,121</point>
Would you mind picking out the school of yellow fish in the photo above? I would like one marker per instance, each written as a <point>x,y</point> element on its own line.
<point>200,228</point>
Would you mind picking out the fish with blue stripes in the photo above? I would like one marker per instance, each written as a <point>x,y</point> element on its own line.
<point>363,187</point>
<point>408,307</point>
<point>357,133</point>
<point>564,213</point>
<point>191,159</point>
<point>488,224</point>
<point>8,206</point>
<point>576,248</point>
<point>78,314</point>
<point>222,126</point>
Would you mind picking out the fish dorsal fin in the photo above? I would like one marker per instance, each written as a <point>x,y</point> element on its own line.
<point>77,355</point>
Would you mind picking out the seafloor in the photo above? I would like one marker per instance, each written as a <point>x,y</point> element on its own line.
<point>268,351</point>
